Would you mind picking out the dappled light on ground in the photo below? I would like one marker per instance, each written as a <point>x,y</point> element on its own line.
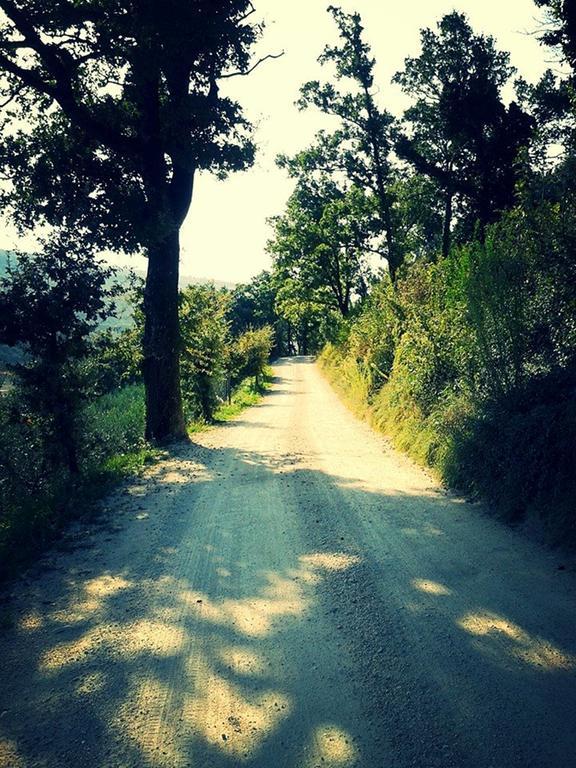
<point>31,622</point>
<point>430,587</point>
<point>119,640</point>
<point>9,757</point>
<point>331,747</point>
<point>282,596</point>
<point>228,693</point>
<point>92,598</point>
<point>157,743</point>
<point>516,642</point>
<point>252,616</point>
<point>90,684</point>
<point>227,718</point>
<point>181,472</point>
<point>243,662</point>
<point>97,590</point>
<point>329,561</point>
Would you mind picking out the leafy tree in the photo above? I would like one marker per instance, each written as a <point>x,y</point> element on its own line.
<point>420,215</point>
<point>360,149</point>
<point>251,354</point>
<point>50,304</point>
<point>205,346</point>
<point>253,305</point>
<point>113,108</point>
<point>552,99</point>
<point>306,313</point>
<point>115,359</point>
<point>461,134</point>
<point>320,243</point>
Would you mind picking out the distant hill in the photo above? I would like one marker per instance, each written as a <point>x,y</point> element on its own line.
<point>123,318</point>
<point>185,280</point>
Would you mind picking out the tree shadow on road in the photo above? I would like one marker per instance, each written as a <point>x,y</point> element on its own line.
<point>210,649</point>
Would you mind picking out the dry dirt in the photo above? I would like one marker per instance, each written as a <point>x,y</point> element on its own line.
<point>290,592</point>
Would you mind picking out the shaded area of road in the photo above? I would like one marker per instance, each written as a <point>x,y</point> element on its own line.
<point>291,593</point>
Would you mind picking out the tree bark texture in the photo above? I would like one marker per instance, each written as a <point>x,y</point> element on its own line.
<point>161,367</point>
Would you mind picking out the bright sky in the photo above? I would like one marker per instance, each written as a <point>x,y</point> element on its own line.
<point>225,234</point>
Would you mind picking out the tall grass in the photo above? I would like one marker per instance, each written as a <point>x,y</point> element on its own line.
<point>38,494</point>
<point>470,368</point>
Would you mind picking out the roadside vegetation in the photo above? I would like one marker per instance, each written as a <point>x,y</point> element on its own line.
<point>73,419</point>
<point>428,257</point>
<point>462,347</point>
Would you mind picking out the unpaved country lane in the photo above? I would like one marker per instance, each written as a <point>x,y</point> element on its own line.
<point>291,593</point>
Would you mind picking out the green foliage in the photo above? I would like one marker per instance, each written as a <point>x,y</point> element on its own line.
<point>246,394</point>
<point>251,354</point>
<point>205,348</point>
<point>213,361</point>
<point>254,305</point>
<point>458,131</point>
<point>359,151</point>
<point>113,425</point>
<point>320,252</point>
<point>87,152</point>
<point>50,303</point>
<point>115,359</point>
<point>114,108</point>
<point>476,370</point>
<point>37,492</point>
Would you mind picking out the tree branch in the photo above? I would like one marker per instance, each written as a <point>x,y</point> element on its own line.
<point>249,13</point>
<point>17,91</point>
<point>61,87</point>
<point>406,151</point>
<point>253,67</point>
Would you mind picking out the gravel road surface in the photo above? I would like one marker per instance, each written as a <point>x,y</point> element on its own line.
<point>289,592</point>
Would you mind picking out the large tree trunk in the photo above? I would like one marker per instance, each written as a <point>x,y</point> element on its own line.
<point>161,368</point>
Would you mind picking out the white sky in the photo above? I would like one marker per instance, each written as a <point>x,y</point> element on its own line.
<point>225,233</point>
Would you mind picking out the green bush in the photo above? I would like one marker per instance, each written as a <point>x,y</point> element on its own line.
<point>520,453</point>
<point>37,491</point>
<point>250,354</point>
<point>113,424</point>
<point>205,349</point>
<point>469,366</point>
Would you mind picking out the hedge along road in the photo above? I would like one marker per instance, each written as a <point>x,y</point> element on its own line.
<point>291,592</point>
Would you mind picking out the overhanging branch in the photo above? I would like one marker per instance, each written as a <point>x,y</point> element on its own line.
<point>58,84</point>
<point>253,67</point>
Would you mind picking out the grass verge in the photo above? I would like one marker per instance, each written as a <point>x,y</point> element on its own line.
<point>518,456</point>
<point>40,503</point>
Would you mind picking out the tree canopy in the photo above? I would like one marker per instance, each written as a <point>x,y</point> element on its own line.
<point>113,108</point>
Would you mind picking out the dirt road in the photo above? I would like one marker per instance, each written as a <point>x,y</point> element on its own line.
<point>291,593</point>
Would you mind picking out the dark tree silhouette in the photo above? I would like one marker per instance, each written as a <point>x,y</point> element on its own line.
<point>110,110</point>
<point>561,29</point>
<point>50,304</point>
<point>362,145</point>
<point>460,133</point>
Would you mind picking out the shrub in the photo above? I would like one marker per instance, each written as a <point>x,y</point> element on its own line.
<point>205,341</point>
<point>250,354</point>
<point>470,366</point>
